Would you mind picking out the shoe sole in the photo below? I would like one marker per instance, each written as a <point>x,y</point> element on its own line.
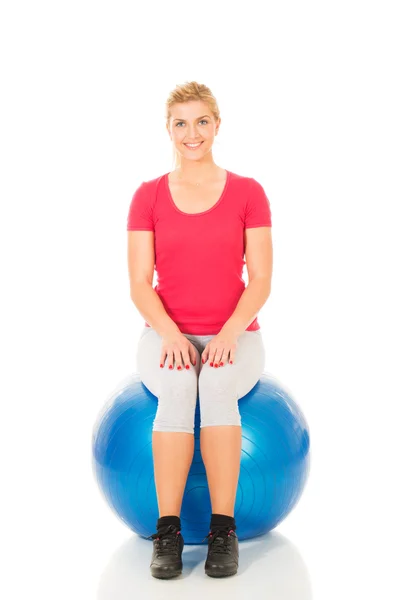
<point>166,573</point>
<point>219,573</point>
<point>162,576</point>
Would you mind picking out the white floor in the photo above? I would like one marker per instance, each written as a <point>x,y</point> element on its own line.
<point>273,565</point>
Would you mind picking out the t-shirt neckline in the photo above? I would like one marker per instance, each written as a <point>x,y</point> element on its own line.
<point>204,212</point>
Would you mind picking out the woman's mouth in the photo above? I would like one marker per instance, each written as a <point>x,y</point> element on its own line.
<point>193,146</point>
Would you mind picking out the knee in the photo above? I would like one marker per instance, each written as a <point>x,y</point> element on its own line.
<point>176,403</point>
<point>219,403</point>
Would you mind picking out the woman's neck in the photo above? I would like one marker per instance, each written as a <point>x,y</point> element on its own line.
<point>197,172</point>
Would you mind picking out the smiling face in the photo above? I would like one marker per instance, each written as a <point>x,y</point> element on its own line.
<point>192,123</point>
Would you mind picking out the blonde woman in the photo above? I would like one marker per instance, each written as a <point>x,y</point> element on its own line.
<point>194,225</point>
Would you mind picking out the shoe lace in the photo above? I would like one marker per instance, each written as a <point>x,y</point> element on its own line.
<point>166,540</point>
<point>218,540</point>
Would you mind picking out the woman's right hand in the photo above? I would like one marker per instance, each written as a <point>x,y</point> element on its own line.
<point>176,346</point>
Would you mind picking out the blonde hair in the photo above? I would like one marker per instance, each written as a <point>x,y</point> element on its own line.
<point>190,90</point>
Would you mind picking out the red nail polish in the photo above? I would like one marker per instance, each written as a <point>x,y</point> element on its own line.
<point>187,366</point>
<point>221,364</point>
<point>230,362</point>
<point>161,365</point>
<point>179,367</point>
<point>170,367</point>
<point>211,364</point>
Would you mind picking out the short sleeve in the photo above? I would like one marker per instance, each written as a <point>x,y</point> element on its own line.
<point>258,211</point>
<point>140,215</point>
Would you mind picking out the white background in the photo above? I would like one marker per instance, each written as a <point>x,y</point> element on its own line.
<point>309,100</point>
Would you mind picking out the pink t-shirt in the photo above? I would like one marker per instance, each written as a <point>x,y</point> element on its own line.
<point>199,258</point>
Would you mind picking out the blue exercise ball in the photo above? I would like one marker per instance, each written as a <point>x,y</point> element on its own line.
<point>274,467</point>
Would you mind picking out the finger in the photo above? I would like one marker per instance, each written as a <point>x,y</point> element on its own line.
<point>211,355</point>
<point>224,357</point>
<point>232,356</point>
<point>186,359</point>
<point>217,357</point>
<point>193,355</point>
<point>170,361</point>
<point>178,360</point>
<point>204,355</point>
<point>162,358</point>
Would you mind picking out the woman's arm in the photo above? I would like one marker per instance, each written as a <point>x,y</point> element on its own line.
<point>141,272</point>
<point>259,259</point>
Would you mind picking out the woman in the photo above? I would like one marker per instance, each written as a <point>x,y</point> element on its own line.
<point>201,334</point>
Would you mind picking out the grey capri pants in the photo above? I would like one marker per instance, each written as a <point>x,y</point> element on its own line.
<point>218,388</point>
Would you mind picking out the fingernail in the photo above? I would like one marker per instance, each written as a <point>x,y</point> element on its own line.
<point>203,360</point>
<point>170,367</point>
<point>221,364</point>
<point>161,366</point>
<point>187,366</point>
<point>231,362</point>
<point>211,364</point>
<point>179,367</point>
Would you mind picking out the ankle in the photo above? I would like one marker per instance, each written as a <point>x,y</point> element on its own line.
<point>169,520</point>
<point>220,520</point>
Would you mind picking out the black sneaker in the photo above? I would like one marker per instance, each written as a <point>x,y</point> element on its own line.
<point>223,552</point>
<point>166,560</point>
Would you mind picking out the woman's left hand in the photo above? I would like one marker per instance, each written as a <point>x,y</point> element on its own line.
<point>220,349</point>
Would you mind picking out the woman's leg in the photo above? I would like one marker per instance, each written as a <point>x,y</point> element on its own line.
<point>221,448</point>
<point>173,427</point>
<point>172,457</point>
<point>221,431</point>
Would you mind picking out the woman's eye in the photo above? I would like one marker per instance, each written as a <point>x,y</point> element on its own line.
<point>202,121</point>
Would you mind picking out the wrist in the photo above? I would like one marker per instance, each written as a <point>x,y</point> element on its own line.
<point>231,328</point>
